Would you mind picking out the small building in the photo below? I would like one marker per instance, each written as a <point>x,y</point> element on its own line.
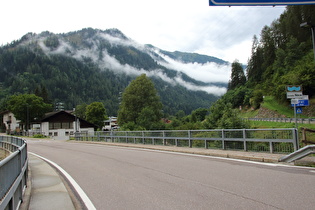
<point>62,124</point>
<point>110,124</point>
<point>11,124</point>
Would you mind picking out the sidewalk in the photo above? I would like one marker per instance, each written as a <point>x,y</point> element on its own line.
<point>46,190</point>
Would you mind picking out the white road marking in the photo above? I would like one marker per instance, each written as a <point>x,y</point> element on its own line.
<point>88,203</point>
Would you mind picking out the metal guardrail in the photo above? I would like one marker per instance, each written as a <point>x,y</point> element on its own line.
<point>13,172</point>
<point>303,152</point>
<point>285,120</point>
<point>265,140</point>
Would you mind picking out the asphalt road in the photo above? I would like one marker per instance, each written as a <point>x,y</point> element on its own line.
<point>127,178</point>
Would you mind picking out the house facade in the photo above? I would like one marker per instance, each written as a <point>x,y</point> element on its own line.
<point>10,122</point>
<point>58,125</point>
<point>110,124</point>
<point>62,124</point>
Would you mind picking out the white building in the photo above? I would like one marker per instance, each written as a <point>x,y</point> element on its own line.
<point>10,122</point>
<point>62,125</point>
<point>110,124</point>
<point>58,125</point>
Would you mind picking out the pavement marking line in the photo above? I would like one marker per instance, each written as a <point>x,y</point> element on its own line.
<point>88,203</point>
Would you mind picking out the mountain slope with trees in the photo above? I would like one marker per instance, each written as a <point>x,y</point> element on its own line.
<point>93,65</point>
<point>282,56</point>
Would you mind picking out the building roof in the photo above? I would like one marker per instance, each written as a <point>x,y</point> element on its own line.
<point>65,116</point>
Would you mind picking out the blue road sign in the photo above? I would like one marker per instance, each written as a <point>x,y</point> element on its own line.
<point>302,103</point>
<point>299,110</point>
<point>294,88</point>
<point>259,2</point>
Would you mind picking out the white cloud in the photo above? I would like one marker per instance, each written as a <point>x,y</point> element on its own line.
<point>112,63</point>
<point>183,25</point>
<point>209,72</point>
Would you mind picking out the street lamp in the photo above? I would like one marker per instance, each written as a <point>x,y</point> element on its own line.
<point>312,27</point>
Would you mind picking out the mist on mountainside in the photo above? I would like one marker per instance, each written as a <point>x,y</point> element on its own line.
<point>94,65</point>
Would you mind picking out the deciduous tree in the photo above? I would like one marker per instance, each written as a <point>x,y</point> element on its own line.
<point>28,107</point>
<point>139,100</point>
<point>96,113</point>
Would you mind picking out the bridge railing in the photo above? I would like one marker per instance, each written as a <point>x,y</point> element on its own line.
<point>285,120</point>
<point>13,172</point>
<point>260,140</point>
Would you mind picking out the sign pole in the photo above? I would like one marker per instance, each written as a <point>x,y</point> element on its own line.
<point>295,116</point>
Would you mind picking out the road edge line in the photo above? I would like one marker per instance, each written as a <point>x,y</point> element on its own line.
<point>87,202</point>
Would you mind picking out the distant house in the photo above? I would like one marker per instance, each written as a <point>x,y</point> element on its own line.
<point>62,124</point>
<point>110,124</point>
<point>10,122</point>
<point>58,125</point>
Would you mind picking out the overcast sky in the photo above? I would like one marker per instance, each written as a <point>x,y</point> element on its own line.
<point>183,25</point>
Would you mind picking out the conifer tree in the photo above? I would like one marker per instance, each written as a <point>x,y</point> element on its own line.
<point>237,76</point>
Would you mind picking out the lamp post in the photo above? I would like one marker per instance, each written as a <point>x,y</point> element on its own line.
<point>312,27</point>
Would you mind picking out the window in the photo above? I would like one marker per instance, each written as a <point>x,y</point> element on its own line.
<point>67,125</point>
<point>59,125</point>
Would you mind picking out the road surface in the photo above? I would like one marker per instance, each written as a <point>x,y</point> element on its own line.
<point>130,178</point>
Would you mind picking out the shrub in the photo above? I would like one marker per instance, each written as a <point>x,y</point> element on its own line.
<point>40,136</point>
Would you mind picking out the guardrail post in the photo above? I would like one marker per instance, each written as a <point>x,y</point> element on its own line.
<point>223,142</point>
<point>270,146</point>
<point>295,135</point>
<point>164,143</point>
<point>189,139</point>
<point>20,188</point>
<point>244,137</point>
<point>143,138</point>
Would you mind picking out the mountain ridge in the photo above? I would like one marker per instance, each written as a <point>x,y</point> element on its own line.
<point>106,52</point>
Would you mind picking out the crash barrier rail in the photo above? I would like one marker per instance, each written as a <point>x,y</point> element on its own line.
<point>285,120</point>
<point>13,172</point>
<point>260,140</point>
<point>303,152</point>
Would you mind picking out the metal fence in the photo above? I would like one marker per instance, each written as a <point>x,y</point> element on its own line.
<point>285,120</point>
<point>259,140</point>
<point>13,172</point>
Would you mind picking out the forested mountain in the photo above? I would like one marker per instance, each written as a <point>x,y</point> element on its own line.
<point>282,55</point>
<point>95,65</point>
<point>193,57</point>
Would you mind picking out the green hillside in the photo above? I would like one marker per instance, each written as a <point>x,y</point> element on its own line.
<point>282,55</point>
<point>90,65</point>
<point>271,108</point>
